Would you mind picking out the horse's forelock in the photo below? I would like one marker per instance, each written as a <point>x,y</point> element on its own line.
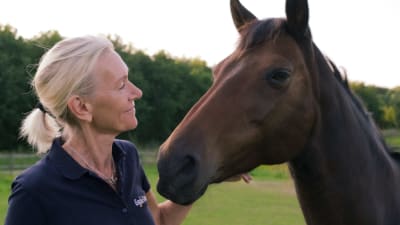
<point>257,32</point>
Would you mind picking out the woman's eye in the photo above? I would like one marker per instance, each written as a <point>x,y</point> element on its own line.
<point>122,85</point>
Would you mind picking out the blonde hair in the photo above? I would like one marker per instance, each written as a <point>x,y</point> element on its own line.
<point>63,70</point>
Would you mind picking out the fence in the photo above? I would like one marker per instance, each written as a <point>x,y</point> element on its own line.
<point>12,162</point>
<point>15,162</point>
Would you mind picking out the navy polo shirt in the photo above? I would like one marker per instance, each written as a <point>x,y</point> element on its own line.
<point>58,191</point>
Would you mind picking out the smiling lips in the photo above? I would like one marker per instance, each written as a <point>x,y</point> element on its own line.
<point>132,109</point>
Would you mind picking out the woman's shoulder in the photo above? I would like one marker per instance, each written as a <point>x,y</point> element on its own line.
<point>34,176</point>
<point>125,144</point>
<point>125,147</point>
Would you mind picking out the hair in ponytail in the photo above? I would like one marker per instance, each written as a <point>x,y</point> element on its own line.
<point>64,70</point>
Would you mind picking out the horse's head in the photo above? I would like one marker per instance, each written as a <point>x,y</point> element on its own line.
<point>259,110</point>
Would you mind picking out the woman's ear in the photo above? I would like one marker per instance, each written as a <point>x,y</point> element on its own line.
<point>81,109</point>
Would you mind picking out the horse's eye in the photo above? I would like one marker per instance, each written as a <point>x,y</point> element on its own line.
<point>278,78</point>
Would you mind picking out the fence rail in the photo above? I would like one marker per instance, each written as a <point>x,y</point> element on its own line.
<point>14,162</point>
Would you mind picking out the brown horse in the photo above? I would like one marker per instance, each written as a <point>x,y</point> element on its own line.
<point>278,99</point>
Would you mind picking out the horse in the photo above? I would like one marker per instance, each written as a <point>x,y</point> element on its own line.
<point>278,99</point>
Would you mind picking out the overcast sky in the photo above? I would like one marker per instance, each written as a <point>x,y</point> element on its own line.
<point>360,35</point>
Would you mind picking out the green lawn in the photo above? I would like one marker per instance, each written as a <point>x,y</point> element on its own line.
<point>393,141</point>
<point>269,199</point>
<point>261,202</point>
<point>392,138</point>
<point>5,181</point>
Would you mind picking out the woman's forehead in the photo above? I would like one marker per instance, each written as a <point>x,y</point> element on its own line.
<point>111,65</point>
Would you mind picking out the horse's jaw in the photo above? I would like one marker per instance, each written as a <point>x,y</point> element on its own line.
<point>186,172</point>
<point>180,195</point>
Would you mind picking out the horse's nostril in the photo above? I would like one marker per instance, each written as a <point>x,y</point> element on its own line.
<point>186,172</point>
<point>178,172</point>
<point>181,177</point>
<point>188,166</point>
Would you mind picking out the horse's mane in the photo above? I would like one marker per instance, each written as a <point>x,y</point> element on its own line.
<point>342,79</point>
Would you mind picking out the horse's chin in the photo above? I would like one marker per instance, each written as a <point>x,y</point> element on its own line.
<point>184,196</point>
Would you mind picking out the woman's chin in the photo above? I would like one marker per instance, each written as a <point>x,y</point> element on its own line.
<point>130,124</point>
<point>134,123</point>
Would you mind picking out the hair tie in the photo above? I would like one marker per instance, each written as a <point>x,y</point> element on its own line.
<point>41,107</point>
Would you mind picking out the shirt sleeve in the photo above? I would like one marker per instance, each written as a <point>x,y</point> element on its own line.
<point>22,208</point>
<point>145,181</point>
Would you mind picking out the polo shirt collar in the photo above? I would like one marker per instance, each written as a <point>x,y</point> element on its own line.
<point>67,166</point>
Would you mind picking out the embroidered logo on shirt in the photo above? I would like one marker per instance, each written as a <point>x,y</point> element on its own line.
<point>140,200</point>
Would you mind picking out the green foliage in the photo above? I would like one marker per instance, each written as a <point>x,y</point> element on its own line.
<point>169,92</point>
<point>393,100</point>
<point>14,85</point>
<point>373,98</point>
<point>389,116</point>
<point>382,103</point>
<point>170,85</point>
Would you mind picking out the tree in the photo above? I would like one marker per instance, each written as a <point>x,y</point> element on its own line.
<point>373,98</point>
<point>170,87</point>
<point>393,99</point>
<point>389,116</point>
<point>14,85</point>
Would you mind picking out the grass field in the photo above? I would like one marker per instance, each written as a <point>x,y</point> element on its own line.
<point>269,200</point>
<point>5,181</point>
<point>392,138</point>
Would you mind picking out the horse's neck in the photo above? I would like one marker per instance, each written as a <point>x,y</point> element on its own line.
<point>343,161</point>
<point>342,144</point>
<point>343,128</point>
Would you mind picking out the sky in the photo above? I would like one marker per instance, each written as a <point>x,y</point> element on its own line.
<point>361,36</point>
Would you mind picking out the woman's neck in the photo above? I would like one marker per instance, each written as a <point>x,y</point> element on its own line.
<point>88,147</point>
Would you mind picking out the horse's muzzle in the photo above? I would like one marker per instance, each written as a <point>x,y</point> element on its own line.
<point>180,178</point>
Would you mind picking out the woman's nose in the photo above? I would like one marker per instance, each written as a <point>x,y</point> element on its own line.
<point>135,91</point>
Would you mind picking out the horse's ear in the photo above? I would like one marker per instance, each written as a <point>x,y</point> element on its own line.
<point>240,14</point>
<point>297,17</point>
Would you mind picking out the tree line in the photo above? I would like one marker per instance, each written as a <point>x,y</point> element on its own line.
<point>170,86</point>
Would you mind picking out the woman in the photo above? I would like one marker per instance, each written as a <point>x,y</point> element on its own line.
<point>87,176</point>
